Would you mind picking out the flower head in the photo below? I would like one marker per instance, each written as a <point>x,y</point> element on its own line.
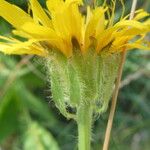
<point>64,26</point>
<point>82,45</point>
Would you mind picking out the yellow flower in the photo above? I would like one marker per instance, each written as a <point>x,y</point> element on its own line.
<point>64,26</point>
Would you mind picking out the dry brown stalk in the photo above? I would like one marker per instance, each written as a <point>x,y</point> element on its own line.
<point>116,91</point>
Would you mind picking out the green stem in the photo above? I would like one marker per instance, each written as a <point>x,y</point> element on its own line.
<point>84,121</point>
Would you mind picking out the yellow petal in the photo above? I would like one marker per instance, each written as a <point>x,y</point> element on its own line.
<point>38,31</point>
<point>95,25</point>
<point>13,14</point>
<point>67,21</point>
<point>47,34</point>
<point>141,15</point>
<point>20,48</point>
<point>40,13</point>
<point>74,1</point>
<point>137,46</point>
<point>55,5</point>
<point>21,34</point>
<point>7,39</point>
<point>59,18</point>
<point>76,21</point>
<point>129,31</point>
<point>130,23</point>
<point>147,23</point>
<point>104,39</point>
<point>118,43</point>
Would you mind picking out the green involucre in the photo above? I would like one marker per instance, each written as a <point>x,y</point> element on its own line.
<point>82,80</point>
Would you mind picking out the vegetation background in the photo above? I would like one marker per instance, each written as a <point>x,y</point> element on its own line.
<point>29,119</point>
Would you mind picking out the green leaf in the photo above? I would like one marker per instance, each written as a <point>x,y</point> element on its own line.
<point>35,105</point>
<point>9,118</point>
<point>37,138</point>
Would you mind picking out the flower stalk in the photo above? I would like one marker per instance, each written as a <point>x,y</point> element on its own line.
<point>84,121</point>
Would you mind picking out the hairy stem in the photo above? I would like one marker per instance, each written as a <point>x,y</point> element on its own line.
<point>84,121</point>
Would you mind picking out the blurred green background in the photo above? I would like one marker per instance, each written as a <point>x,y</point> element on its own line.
<point>29,119</point>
